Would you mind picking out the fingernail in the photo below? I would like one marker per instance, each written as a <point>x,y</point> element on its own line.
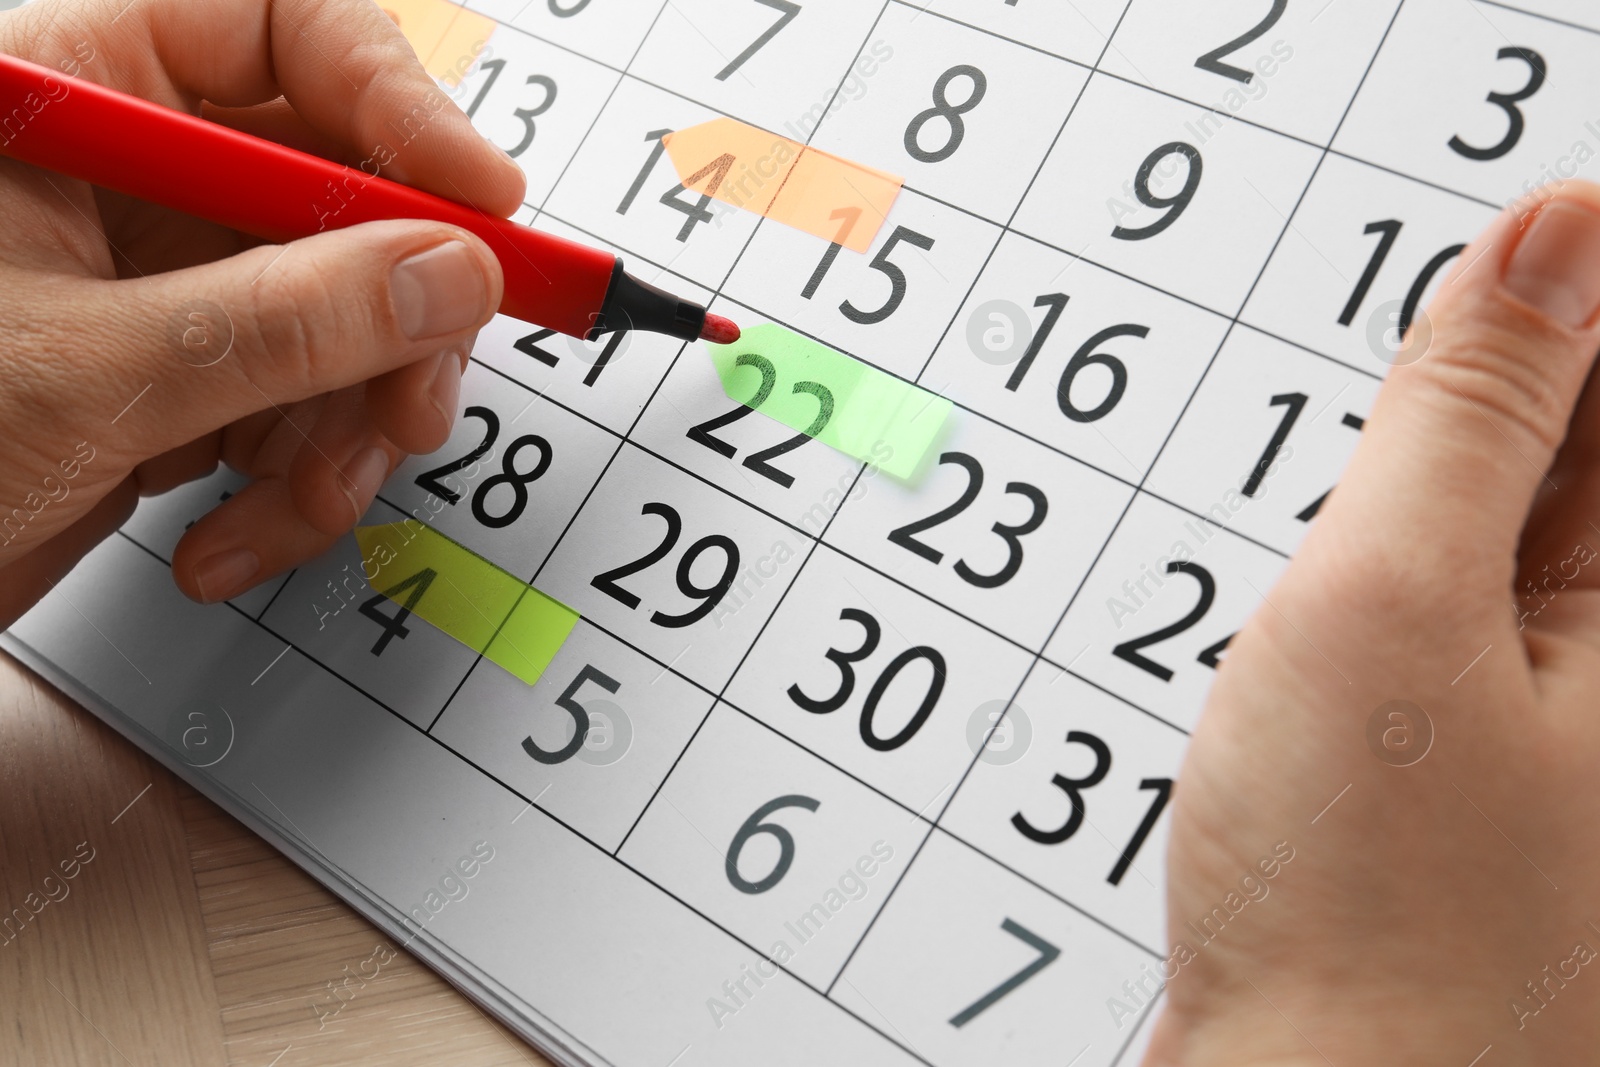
<point>446,389</point>
<point>439,291</point>
<point>1556,268</point>
<point>221,576</point>
<point>362,477</point>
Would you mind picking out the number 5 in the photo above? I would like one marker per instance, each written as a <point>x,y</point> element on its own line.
<point>580,717</point>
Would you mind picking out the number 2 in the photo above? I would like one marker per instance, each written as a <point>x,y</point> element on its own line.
<point>709,596</point>
<point>1012,535</point>
<point>1212,60</point>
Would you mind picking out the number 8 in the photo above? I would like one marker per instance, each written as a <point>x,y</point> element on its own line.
<point>951,113</point>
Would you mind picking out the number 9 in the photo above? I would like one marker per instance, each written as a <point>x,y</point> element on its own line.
<point>1175,205</point>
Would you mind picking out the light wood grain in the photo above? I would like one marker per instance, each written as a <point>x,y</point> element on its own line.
<point>186,939</point>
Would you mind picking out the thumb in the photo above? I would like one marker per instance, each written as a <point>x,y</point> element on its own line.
<point>1462,436</point>
<point>206,346</point>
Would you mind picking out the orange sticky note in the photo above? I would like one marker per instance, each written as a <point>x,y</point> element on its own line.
<point>446,36</point>
<point>788,182</point>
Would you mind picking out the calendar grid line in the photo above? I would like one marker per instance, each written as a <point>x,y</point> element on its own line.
<point>622,76</point>
<point>1580,27</point>
<point>318,664</point>
<point>574,518</point>
<point>1005,227</point>
<point>815,542</point>
<point>1122,518</point>
<point>1189,423</point>
<point>1041,887</point>
<point>276,593</point>
<point>926,9</point>
<point>1134,704</point>
<point>982,747</point>
<point>1288,222</point>
<point>1309,350</point>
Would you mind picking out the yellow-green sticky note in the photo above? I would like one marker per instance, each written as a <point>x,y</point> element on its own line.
<point>825,394</point>
<point>459,592</point>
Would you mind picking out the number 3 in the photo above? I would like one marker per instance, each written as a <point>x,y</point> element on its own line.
<point>1508,102</point>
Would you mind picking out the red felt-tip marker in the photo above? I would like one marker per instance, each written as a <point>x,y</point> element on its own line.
<point>132,146</point>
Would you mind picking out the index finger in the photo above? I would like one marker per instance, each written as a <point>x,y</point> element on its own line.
<point>342,65</point>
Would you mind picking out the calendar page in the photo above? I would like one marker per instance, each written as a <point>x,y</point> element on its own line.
<point>836,766</point>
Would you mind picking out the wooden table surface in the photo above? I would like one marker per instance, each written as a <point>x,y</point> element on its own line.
<point>181,937</point>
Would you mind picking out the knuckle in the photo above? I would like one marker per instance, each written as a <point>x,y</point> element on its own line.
<point>1516,367</point>
<point>301,328</point>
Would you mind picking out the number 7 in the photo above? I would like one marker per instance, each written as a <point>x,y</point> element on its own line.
<point>789,10</point>
<point>1047,956</point>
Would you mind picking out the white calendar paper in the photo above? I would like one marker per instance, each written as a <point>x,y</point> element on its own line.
<point>900,793</point>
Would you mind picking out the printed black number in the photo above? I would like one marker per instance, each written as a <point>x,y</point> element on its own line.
<point>1293,404</point>
<point>1408,310</point>
<point>1086,356</point>
<point>528,114</point>
<point>1390,229</point>
<point>1212,61</point>
<point>561,12</point>
<point>871,634</point>
<point>429,480</point>
<point>1163,791</point>
<point>761,462</point>
<point>1507,102</point>
<point>951,113</point>
<point>496,67</point>
<point>568,703</point>
<point>395,625</point>
<point>1072,787</point>
<point>1130,651</point>
<point>696,212</point>
<point>849,216</point>
<point>518,482</point>
<point>529,346</point>
<point>709,596</point>
<point>701,434</point>
<point>789,11</point>
<point>1056,303</point>
<point>1175,205</point>
<point>905,536</point>
<point>753,826</point>
<point>881,264</point>
<point>509,475</point>
<point>1047,955</point>
<point>658,150</point>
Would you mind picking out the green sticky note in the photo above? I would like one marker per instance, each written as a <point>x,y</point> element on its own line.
<point>461,593</point>
<point>825,394</point>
